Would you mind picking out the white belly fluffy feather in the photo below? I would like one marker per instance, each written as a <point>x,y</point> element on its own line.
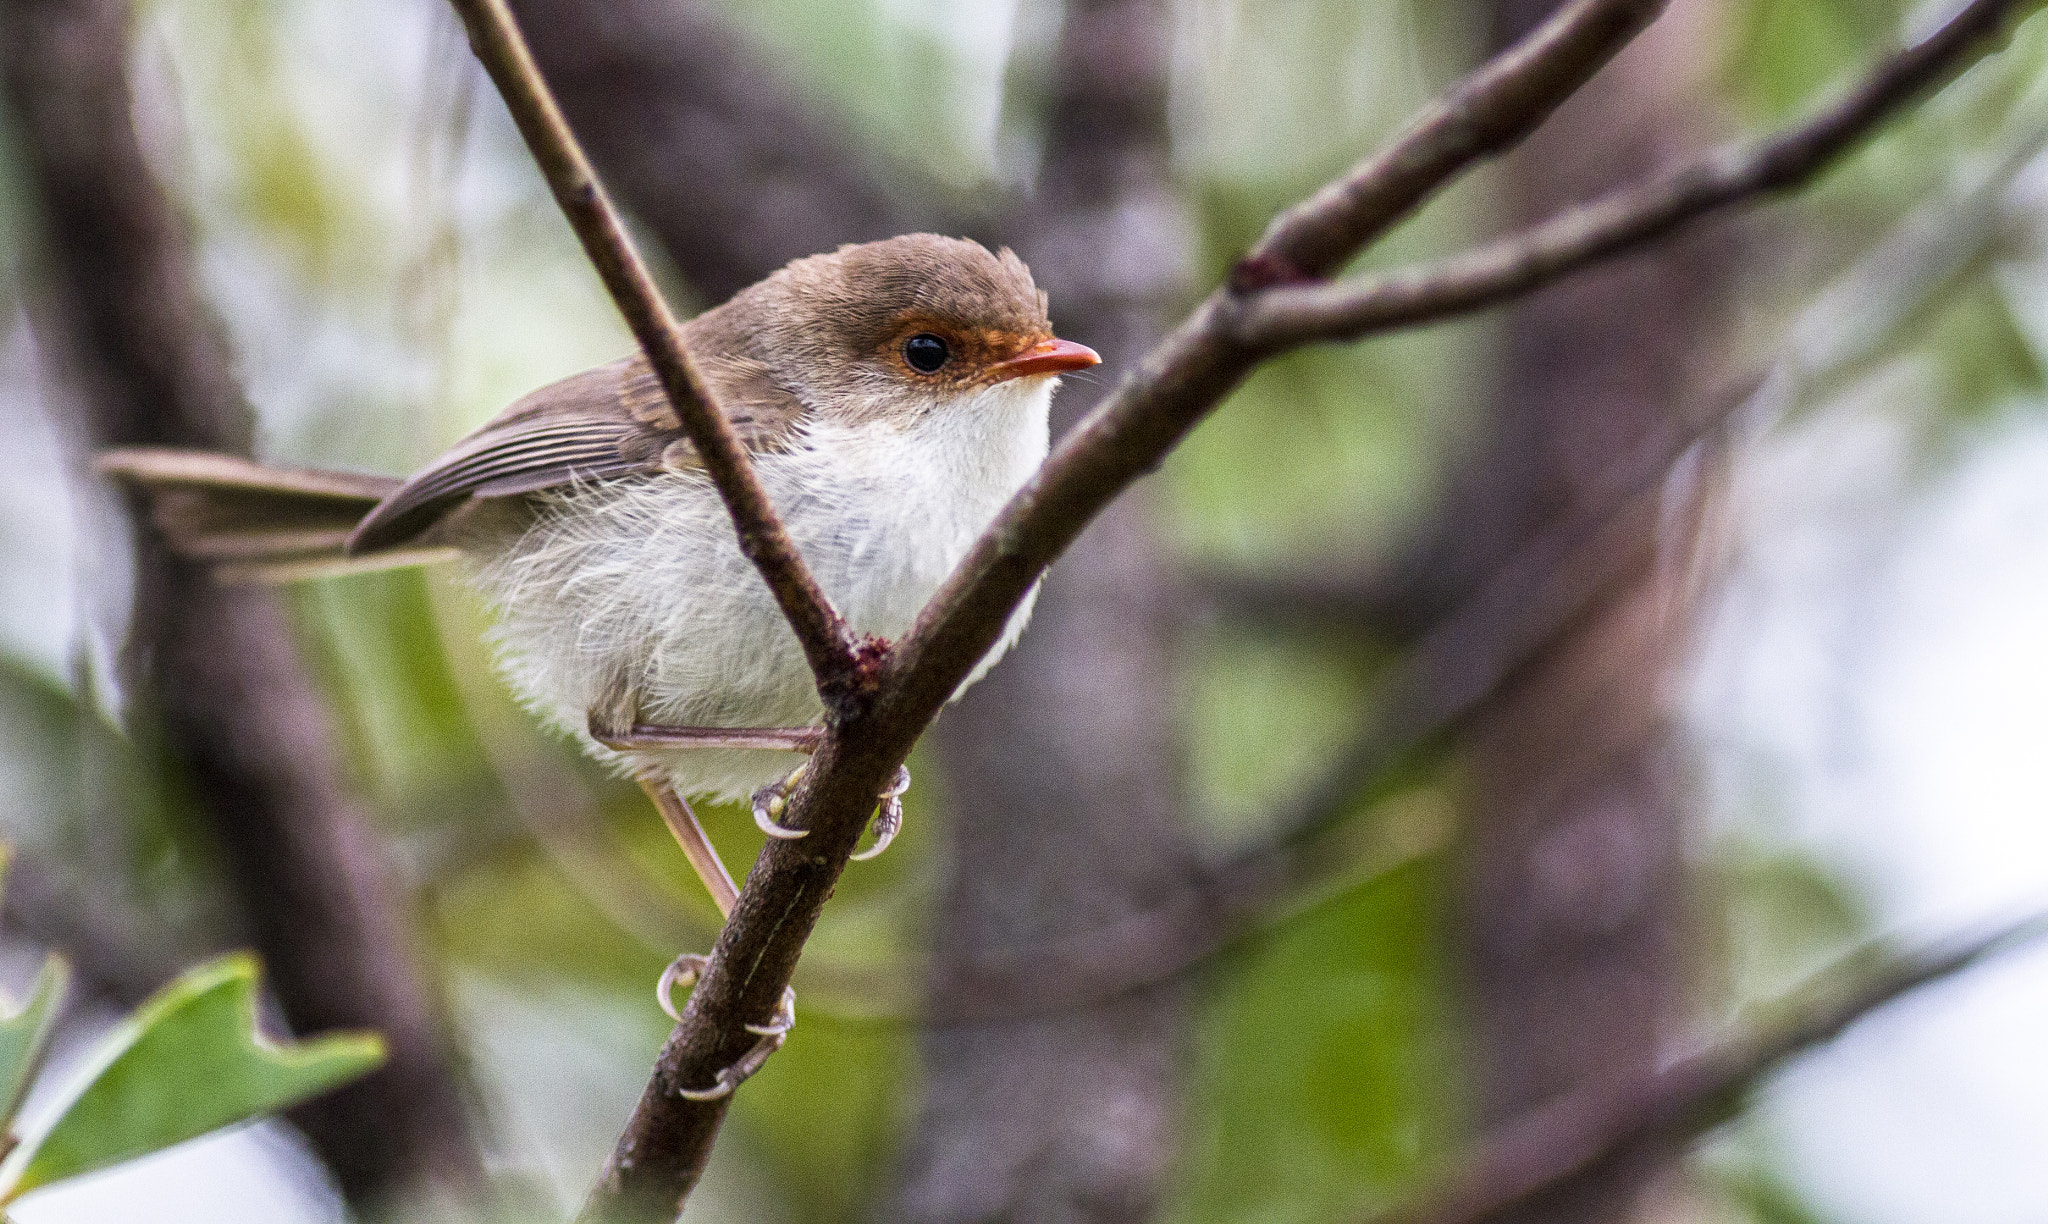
<point>642,578</point>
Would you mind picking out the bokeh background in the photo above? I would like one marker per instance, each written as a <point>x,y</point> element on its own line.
<point>1799,702</point>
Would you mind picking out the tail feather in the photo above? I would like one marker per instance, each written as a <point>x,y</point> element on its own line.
<point>258,523</point>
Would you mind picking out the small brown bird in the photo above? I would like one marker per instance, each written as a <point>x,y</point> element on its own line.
<point>893,396</point>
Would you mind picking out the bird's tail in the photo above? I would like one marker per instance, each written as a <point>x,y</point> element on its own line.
<point>255,523</point>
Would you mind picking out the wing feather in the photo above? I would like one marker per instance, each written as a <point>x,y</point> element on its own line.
<point>604,423</point>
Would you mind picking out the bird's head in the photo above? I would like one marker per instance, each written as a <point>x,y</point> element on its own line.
<point>898,329</point>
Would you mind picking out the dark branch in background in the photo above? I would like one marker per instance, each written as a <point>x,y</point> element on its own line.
<point>1565,912</point>
<point>1628,218</point>
<point>827,642</point>
<point>1557,1148</point>
<point>217,668</point>
<point>702,141</point>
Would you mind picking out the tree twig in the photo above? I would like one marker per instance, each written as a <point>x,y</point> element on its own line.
<point>1200,362</point>
<point>1451,671</point>
<point>828,642</point>
<point>1490,110</point>
<point>1626,219</point>
<point>1570,1142</point>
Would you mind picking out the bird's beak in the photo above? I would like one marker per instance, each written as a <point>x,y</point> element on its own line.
<point>1047,357</point>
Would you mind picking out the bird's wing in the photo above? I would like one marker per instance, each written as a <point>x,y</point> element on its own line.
<point>606,422</point>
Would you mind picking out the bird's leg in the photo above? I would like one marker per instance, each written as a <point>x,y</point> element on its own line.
<point>682,822</point>
<point>658,735</point>
<point>769,800</point>
<point>683,971</point>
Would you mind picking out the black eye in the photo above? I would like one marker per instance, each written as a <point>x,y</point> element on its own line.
<point>925,352</point>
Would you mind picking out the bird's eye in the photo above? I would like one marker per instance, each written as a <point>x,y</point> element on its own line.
<point>925,352</point>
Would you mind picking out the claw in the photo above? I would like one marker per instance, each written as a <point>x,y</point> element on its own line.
<point>769,803</point>
<point>889,815</point>
<point>683,971</point>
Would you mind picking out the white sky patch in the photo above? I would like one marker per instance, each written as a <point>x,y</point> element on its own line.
<point>1889,668</point>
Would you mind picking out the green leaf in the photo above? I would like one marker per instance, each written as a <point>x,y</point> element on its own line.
<point>25,1036</point>
<point>189,1061</point>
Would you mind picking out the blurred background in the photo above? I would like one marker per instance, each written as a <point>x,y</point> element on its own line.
<point>1479,713</point>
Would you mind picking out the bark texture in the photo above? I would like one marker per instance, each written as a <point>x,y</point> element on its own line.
<point>215,669</point>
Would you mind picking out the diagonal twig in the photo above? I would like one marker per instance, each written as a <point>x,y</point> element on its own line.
<point>1569,1143</point>
<point>828,642</point>
<point>1628,218</point>
<point>1491,110</point>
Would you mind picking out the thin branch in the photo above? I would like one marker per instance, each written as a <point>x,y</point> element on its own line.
<point>829,644</point>
<point>1570,1143</point>
<point>1452,671</point>
<point>1629,218</point>
<point>1201,362</point>
<point>1491,110</point>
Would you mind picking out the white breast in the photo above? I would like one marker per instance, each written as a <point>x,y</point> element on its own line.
<point>642,579</point>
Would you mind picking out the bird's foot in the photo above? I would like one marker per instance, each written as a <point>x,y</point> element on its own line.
<point>888,814</point>
<point>683,972</point>
<point>771,800</point>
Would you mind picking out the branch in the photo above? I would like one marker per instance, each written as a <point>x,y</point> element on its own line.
<point>1628,218</point>
<point>1489,111</point>
<point>1201,361</point>
<point>1453,671</point>
<point>1573,1141</point>
<point>828,643</point>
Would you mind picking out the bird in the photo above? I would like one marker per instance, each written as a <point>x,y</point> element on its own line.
<point>891,396</point>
